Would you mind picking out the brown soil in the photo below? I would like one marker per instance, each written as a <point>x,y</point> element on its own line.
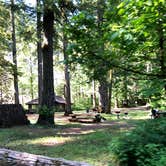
<point>84,128</point>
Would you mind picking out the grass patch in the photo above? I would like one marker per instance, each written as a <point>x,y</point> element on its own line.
<point>59,141</point>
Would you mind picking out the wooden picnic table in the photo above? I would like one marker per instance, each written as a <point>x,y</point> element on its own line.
<point>161,113</point>
<point>85,118</point>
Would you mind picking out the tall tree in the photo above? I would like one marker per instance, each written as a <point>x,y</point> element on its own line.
<point>94,93</point>
<point>65,7</point>
<point>143,33</point>
<point>15,72</point>
<point>48,95</point>
<point>103,88</point>
<point>39,52</point>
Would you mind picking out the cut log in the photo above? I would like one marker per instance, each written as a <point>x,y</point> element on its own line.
<point>10,157</point>
<point>12,114</point>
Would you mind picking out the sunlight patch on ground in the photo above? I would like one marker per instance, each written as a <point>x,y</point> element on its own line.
<point>51,141</point>
<point>45,141</point>
<point>76,131</point>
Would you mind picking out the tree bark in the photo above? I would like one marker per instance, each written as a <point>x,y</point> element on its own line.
<point>103,91</point>
<point>67,91</point>
<point>162,52</point>
<point>94,93</point>
<point>67,78</point>
<point>39,52</point>
<point>15,73</point>
<point>31,79</point>
<point>110,92</point>
<point>47,51</point>
<point>11,115</point>
<point>11,157</point>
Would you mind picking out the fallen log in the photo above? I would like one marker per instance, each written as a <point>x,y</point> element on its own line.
<point>10,158</point>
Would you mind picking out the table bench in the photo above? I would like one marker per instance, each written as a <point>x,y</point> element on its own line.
<point>86,118</point>
<point>118,113</point>
<point>156,114</point>
<point>161,114</point>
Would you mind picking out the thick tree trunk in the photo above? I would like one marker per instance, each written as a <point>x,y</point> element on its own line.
<point>11,115</point>
<point>67,78</point>
<point>15,73</point>
<point>39,53</point>
<point>161,48</point>
<point>103,91</point>
<point>162,52</point>
<point>66,68</point>
<point>47,50</point>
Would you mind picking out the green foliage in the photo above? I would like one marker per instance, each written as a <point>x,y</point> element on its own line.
<point>45,111</point>
<point>89,144</point>
<point>82,104</point>
<point>60,89</point>
<point>144,146</point>
<point>5,32</point>
<point>154,91</point>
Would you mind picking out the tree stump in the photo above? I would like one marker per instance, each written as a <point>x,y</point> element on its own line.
<point>10,157</point>
<point>12,114</point>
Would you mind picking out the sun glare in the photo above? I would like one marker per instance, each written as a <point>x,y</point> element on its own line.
<point>30,2</point>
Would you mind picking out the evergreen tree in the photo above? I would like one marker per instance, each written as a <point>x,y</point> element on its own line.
<point>15,72</point>
<point>48,96</point>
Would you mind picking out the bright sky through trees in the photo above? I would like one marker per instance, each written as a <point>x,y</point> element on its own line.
<point>31,2</point>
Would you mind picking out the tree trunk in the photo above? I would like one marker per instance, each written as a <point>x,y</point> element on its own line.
<point>47,50</point>
<point>15,73</point>
<point>116,102</point>
<point>67,78</point>
<point>161,48</point>
<point>103,91</point>
<point>125,91</point>
<point>110,92</point>
<point>11,115</point>
<point>39,53</point>
<point>94,94</point>
<point>66,70</point>
<point>31,79</point>
<point>67,92</point>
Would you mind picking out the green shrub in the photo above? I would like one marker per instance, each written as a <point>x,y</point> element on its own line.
<point>159,159</point>
<point>81,104</point>
<point>144,146</point>
<point>45,111</point>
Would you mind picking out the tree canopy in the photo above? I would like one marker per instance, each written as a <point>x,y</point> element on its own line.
<point>118,44</point>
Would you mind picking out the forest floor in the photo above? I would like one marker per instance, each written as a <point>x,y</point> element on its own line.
<point>74,141</point>
<point>134,113</point>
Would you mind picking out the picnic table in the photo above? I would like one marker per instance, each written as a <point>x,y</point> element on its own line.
<point>157,113</point>
<point>118,113</point>
<point>86,118</point>
<point>161,113</point>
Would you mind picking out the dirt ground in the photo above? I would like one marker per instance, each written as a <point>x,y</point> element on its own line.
<point>84,128</point>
